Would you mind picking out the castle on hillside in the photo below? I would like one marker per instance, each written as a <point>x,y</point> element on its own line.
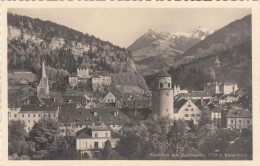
<point>162,96</point>
<point>43,87</point>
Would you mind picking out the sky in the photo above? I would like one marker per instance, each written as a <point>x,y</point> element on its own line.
<point>122,26</point>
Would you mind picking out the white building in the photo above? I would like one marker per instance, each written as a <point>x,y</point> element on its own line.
<point>89,142</point>
<point>187,110</point>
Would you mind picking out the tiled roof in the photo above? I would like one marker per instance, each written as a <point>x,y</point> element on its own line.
<point>163,73</point>
<point>238,112</point>
<point>86,116</point>
<point>84,133</point>
<point>100,128</point>
<point>34,107</point>
<point>229,83</point>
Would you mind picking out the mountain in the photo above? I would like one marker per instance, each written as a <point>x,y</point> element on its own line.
<point>233,34</point>
<point>32,40</point>
<point>232,45</point>
<point>155,49</point>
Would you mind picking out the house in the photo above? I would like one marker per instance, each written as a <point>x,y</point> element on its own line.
<point>32,113</point>
<point>81,101</point>
<point>177,90</point>
<point>96,82</point>
<point>216,116</point>
<point>229,88</point>
<point>212,87</point>
<point>90,141</point>
<point>83,72</point>
<point>73,119</point>
<point>195,95</point>
<point>228,99</point>
<point>110,100</point>
<point>73,80</point>
<point>24,81</point>
<point>187,110</point>
<point>239,118</point>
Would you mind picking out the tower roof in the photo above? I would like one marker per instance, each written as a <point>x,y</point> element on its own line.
<point>163,73</point>
<point>84,65</point>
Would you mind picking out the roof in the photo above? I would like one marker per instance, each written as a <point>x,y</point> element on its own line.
<point>178,104</point>
<point>87,132</point>
<point>239,112</point>
<point>17,76</point>
<point>229,83</point>
<point>70,114</point>
<point>35,107</point>
<point>163,73</point>
<point>95,76</point>
<point>100,128</point>
<point>73,75</point>
<point>216,109</point>
<point>75,99</point>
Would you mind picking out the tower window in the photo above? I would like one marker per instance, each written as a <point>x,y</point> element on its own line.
<point>161,85</point>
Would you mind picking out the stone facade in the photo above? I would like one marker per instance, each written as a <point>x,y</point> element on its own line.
<point>162,96</point>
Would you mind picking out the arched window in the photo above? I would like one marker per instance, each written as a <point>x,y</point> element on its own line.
<point>161,85</point>
<point>169,85</point>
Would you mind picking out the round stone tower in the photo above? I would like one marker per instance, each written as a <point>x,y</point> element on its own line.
<point>162,96</point>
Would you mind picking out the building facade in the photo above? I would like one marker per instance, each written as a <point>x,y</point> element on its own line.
<point>162,96</point>
<point>187,111</point>
<point>239,118</point>
<point>216,117</point>
<point>90,142</point>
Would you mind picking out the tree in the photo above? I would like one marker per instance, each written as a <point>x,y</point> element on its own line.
<point>16,138</point>
<point>108,153</point>
<point>44,133</point>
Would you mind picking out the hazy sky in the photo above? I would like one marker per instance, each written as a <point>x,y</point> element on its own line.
<point>123,26</point>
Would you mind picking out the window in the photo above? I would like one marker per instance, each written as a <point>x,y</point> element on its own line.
<point>39,115</point>
<point>95,144</point>
<point>239,121</point>
<point>106,134</point>
<point>28,115</point>
<point>186,115</point>
<point>169,85</point>
<point>198,115</point>
<point>86,144</point>
<point>96,135</point>
<point>96,155</point>
<point>231,121</point>
<point>161,85</point>
<point>248,121</point>
<point>28,121</point>
<point>44,115</point>
<point>49,115</point>
<point>189,105</point>
<point>15,115</point>
<point>29,128</point>
<point>192,115</point>
<point>191,109</point>
<point>186,109</point>
<point>33,115</point>
<point>22,115</point>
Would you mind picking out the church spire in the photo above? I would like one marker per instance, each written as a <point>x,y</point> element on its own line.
<point>43,71</point>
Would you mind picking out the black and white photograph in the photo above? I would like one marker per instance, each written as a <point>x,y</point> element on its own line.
<point>129,84</point>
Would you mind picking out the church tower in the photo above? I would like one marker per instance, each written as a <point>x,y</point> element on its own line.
<point>43,87</point>
<point>162,96</point>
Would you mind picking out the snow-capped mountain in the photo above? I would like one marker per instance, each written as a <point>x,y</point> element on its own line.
<point>159,48</point>
<point>158,42</point>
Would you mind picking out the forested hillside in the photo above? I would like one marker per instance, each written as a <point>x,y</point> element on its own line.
<point>30,40</point>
